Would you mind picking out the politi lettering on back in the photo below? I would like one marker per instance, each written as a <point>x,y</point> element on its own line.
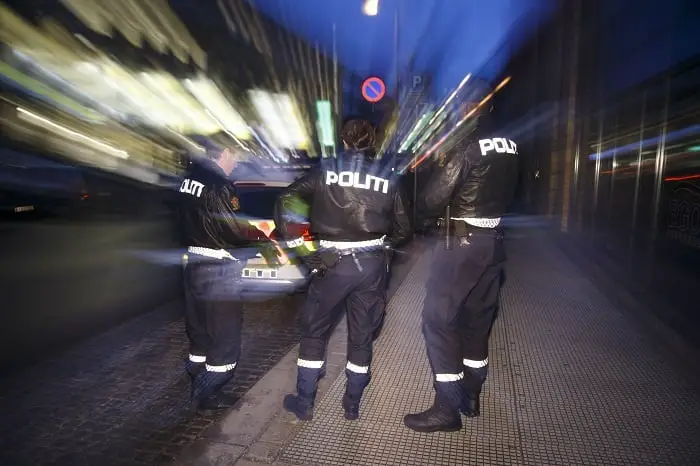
<point>192,187</point>
<point>352,180</point>
<point>500,145</point>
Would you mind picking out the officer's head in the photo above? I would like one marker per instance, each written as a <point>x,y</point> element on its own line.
<point>218,152</point>
<point>358,134</point>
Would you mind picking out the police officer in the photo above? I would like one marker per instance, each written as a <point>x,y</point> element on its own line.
<point>218,242</point>
<point>356,212</point>
<point>475,184</point>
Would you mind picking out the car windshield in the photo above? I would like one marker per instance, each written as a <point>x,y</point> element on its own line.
<point>258,202</point>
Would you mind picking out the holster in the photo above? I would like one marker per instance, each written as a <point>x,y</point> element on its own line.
<point>330,258</point>
<point>322,260</point>
<point>459,233</point>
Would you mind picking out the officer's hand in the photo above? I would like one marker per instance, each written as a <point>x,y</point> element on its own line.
<point>271,254</point>
<point>314,262</point>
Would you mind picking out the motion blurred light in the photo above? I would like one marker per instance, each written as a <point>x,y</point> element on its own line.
<point>371,7</point>
<point>323,107</point>
<point>280,119</point>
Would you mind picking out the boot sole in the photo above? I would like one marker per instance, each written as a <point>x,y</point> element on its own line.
<point>438,429</point>
<point>301,418</point>
<point>309,417</point>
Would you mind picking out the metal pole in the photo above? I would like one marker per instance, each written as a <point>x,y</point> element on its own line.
<point>396,53</point>
<point>415,193</point>
<point>336,96</point>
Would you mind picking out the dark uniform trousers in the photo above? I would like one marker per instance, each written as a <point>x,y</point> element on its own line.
<point>460,305</point>
<point>344,287</point>
<point>213,312</point>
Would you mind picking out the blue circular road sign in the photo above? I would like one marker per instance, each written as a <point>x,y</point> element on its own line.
<point>373,89</point>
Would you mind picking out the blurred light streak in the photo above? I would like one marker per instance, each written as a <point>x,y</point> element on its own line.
<point>46,93</point>
<point>187,141</point>
<point>683,178</point>
<point>49,124</point>
<point>674,135</point>
<point>211,97</point>
<point>323,107</point>
<point>422,123</point>
<point>280,118</point>
<point>459,123</point>
<point>226,130</point>
<point>153,21</point>
<point>450,97</point>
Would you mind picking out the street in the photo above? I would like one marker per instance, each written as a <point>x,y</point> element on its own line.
<point>119,396</point>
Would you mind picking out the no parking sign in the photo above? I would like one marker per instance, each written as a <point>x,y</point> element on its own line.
<point>373,89</point>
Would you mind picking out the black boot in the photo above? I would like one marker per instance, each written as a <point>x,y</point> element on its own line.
<point>206,391</point>
<point>443,415</point>
<point>474,379</point>
<point>353,393</point>
<point>302,404</point>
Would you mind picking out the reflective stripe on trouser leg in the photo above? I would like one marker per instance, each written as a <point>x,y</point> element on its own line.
<point>221,368</point>
<point>357,369</point>
<point>196,358</point>
<point>475,364</point>
<point>449,377</point>
<point>310,364</point>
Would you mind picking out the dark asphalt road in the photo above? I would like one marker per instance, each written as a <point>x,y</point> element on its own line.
<point>119,397</point>
<point>63,280</point>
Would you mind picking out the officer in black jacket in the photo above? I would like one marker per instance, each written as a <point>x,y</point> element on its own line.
<point>357,211</point>
<point>219,242</point>
<point>475,183</point>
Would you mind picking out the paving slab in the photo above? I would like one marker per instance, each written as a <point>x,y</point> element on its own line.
<point>572,381</point>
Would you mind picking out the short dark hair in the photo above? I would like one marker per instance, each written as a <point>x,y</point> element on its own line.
<point>358,133</point>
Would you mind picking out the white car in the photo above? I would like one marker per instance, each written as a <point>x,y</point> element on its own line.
<point>257,201</point>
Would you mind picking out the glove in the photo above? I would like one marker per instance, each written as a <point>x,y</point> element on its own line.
<point>321,260</point>
<point>313,262</point>
<point>270,253</point>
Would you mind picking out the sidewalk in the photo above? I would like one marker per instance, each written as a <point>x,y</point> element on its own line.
<point>573,381</point>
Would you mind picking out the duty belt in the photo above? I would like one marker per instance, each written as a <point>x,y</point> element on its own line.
<point>463,231</point>
<point>480,222</point>
<point>353,248</point>
<point>353,245</point>
<point>211,253</point>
